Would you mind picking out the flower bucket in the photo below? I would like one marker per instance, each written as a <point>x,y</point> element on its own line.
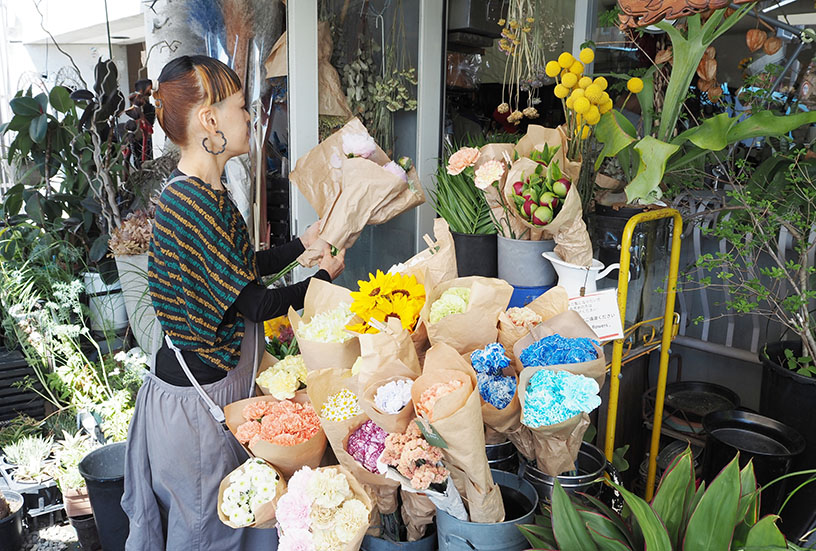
<point>87,536</point>
<point>133,278</point>
<point>476,254</point>
<point>520,263</point>
<point>502,457</point>
<point>427,543</point>
<point>520,504</point>
<point>76,501</point>
<point>104,472</point>
<point>106,303</point>
<point>11,527</point>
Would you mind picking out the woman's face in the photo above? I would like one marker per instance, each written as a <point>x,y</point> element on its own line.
<point>233,121</point>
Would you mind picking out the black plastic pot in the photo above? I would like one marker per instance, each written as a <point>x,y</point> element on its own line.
<point>771,446</point>
<point>104,472</point>
<point>789,397</point>
<point>87,536</point>
<point>11,527</point>
<point>476,255</point>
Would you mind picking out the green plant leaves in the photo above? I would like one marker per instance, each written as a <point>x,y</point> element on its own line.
<point>616,132</point>
<point>765,123</point>
<point>654,533</point>
<point>99,248</point>
<point>675,490</point>
<point>569,529</point>
<point>60,98</point>
<point>711,134</point>
<point>711,525</point>
<point>26,107</point>
<point>765,534</point>
<point>38,128</point>
<point>654,154</point>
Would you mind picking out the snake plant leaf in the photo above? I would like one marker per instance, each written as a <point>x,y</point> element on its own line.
<point>711,134</point>
<point>654,154</point>
<point>570,531</point>
<point>616,132</point>
<point>675,490</point>
<point>765,534</point>
<point>765,123</point>
<point>654,533</point>
<point>711,526</point>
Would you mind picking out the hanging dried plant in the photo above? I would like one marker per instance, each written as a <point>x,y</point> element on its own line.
<point>663,56</point>
<point>772,45</point>
<point>707,69</point>
<point>755,38</point>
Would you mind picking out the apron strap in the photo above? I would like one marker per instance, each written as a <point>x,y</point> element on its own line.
<point>155,344</point>
<point>215,411</point>
<point>255,348</point>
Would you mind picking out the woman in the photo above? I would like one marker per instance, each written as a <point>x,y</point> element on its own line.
<point>204,281</point>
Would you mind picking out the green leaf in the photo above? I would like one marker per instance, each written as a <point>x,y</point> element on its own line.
<point>765,533</point>
<point>538,536</point>
<point>13,200</point>
<point>38,128</point>
<point>712,523</point>
<point>654,533</point>
<point>18,123</point>
<point>612,516</point>
<point>569,529</point>
<point>606,543</point>
<point>601,526</point>
<point>42,99</point>
<point>33,208</point>
<point>26,107</point>
<point>99,248</point>
<point>765,123</point>
<point>711,134</point>
<point>670,499</point>
<point>60,98</point>
<point>616,133</point>
<point>748,495</point>
<point>653,154</point>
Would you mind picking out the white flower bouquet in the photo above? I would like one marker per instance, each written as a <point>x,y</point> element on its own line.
<point>247,497</point>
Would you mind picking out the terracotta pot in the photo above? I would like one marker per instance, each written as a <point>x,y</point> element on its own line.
<point>76,502</point>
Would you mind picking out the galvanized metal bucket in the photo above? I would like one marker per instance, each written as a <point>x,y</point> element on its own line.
<point>502,457</point>
<point>521,263</point>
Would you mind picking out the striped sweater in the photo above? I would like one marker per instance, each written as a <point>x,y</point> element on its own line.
<point>200,261</point>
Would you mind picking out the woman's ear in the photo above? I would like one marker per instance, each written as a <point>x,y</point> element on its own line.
<point>208,120</point>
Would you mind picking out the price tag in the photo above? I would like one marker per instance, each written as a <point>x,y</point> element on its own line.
<point>429,433</point>
<point>600,311</point>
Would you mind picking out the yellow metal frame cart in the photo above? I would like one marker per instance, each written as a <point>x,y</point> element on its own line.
<point>668,334</point>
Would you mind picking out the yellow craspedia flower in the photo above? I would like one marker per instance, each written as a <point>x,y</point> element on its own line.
<point>605,106</point>
<point>634,85</point>
<point>583,82</point>
<point>565,60</point>
<point>577,67</point>
<point>577,93</point>
<point>593,93</point>
<point>569,80</point>
<point>570,102</point>
<point>561,91</point>
<point>552,69</point>
<point>605,98</point>
<point>601,82</point>
<point>593,115</point>
<point>584,132</point>
<point>579,119</point>
<point>586,56</point>
<point>582,105</point>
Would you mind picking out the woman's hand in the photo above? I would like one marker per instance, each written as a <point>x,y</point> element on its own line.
<point>310,235</point>
<point>333,264</point>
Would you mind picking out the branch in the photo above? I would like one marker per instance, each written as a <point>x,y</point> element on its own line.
<point>56,44</point>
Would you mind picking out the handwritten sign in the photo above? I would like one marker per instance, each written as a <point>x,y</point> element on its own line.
<point>600,311</point>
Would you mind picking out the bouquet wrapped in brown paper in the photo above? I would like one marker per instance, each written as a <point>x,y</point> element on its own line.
<point>516,323</point>
<point>341,417</point>
<point>418,512</point>
<point>447,396</point>
<point>321,331</point>
<point>324,508</point>
<point>435,264</point>
<point>351,183</point>
<point>392,344</point>
<point>287,434</point>
<point>541,191</point>
<point>282,379</point>
<point>571,325</point>
<point>391,407</point>
<point>237,509</point>
<point>464,312</point>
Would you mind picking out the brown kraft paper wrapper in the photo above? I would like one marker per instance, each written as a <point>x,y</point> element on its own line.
<point>395,344</point>
<point>322,296</point>
<point>389,422</point>
<point>569,324</point>
<point>264,515</point>
<point>321,385</point>
<point>418,513</point>
<point>348,194</point>
<point>478,325</point>
<point>457,417</point>
<point>286,459</point>
<point>555,446</point>
<point>437,263</point>
<point>548,305</point>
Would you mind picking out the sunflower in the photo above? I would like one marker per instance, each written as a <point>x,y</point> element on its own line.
<point>402,308</point>
<point>362,327</point>
<point>273,327</point>
<point>371,293</point>
<point>408,287</point>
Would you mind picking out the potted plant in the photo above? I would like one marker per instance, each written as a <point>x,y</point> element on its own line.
<point>70,450</point>
<point>11,521</point>
<point>777,284</point>
<point>723,516</point>
<point>129,245</point>
<point>31,458</point>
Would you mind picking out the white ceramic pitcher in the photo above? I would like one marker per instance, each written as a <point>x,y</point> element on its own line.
<point>573,277</point>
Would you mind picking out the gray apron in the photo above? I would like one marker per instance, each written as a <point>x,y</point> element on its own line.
<point>178,451</point>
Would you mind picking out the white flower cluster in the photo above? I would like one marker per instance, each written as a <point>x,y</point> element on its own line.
<point>251,486</point>
<point>523,317</point>
<point>328,326</point>
<point>394,395</point>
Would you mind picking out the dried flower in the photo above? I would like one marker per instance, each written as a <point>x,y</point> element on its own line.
<point>503,108</point>
<point>133,236</point>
